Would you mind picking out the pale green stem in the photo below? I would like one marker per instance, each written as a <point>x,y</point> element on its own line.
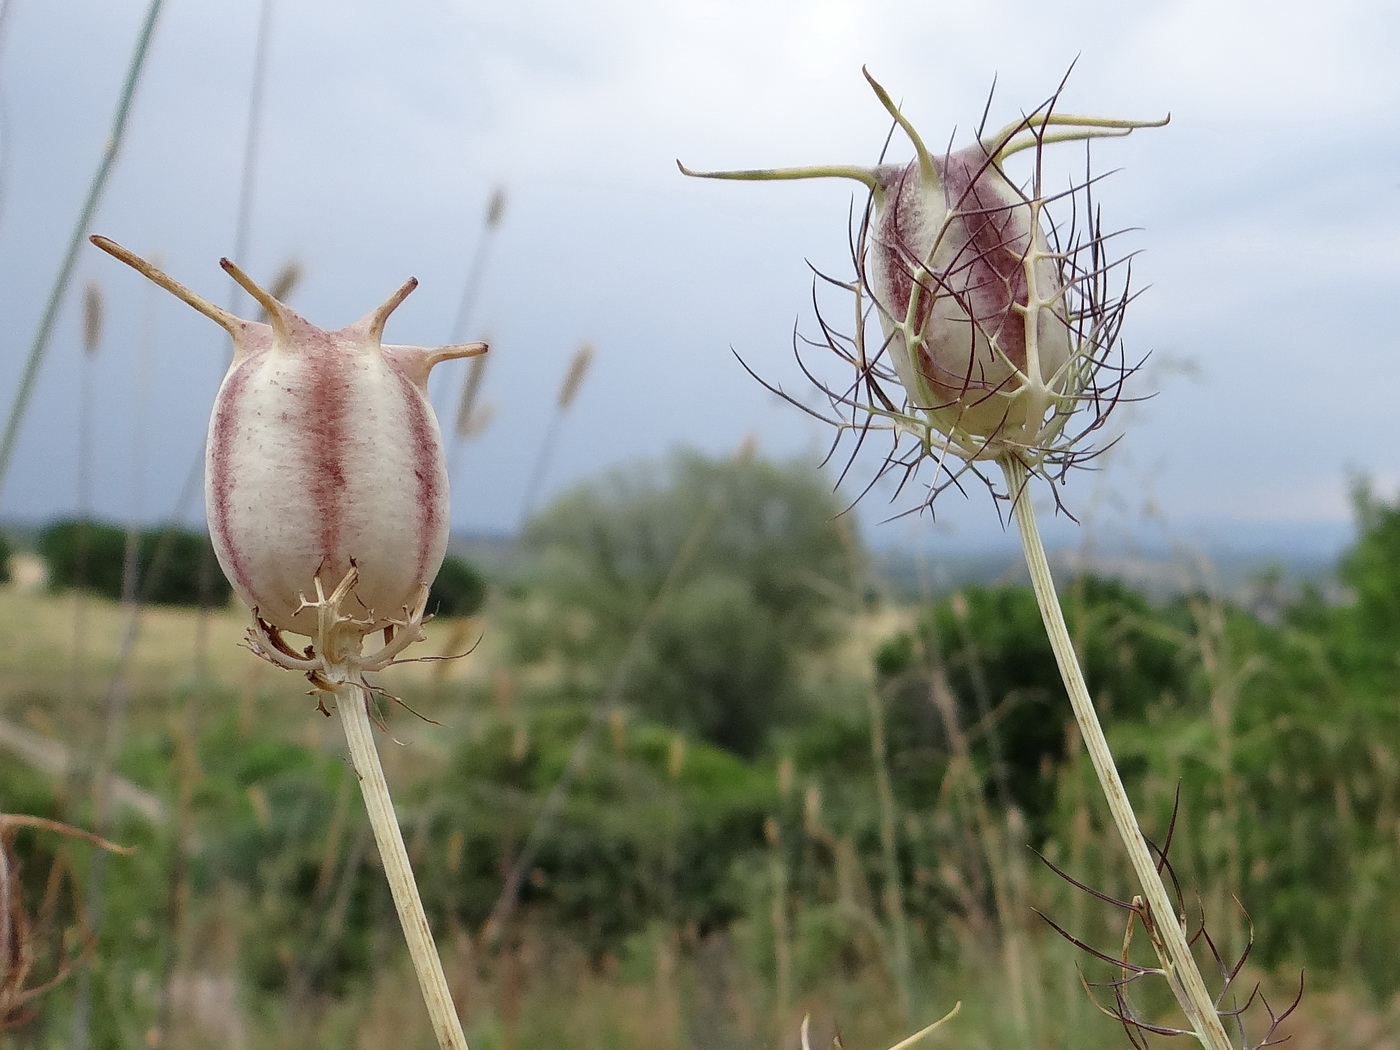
<point>1178,965</point>
<point>39,347</point>
<point>354,715</point>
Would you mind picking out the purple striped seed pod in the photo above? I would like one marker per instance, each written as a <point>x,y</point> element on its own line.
<point>955,255</point>
<point>323,453</point>
<point>1000,325</point>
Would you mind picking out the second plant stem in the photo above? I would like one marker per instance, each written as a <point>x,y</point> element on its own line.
<point>350,701</point>
<point>1179,966</point>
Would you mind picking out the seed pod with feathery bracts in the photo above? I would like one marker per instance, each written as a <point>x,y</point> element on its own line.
<point>996,324</point>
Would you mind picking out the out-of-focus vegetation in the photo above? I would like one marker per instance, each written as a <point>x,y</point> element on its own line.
<point>173,566</point>
<point>458,590</point>
<point>738,787</point>
<point>737,568</point>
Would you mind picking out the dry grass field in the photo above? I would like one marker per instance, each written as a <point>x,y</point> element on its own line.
<point>817,936</point>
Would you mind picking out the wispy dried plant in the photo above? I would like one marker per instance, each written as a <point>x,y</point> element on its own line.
<point>1130,972</point>
<point>568,391</point>
<point>35,940</point>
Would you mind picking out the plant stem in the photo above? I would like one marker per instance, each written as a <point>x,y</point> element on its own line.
<point>39,347</point>
<point>350,701</point>
<point>1179,965</point>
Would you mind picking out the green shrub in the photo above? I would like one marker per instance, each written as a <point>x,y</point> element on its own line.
<point>755,564</point>
<point>989,648</point>
<point>651,829</point>
<point>311,897</point>
<point>458,590</point>
<point>84,555</point>
<point>91,556</point>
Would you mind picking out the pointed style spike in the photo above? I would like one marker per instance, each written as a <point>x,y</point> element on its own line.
<point>375,322</point>
<point>453,351</point>
<point>1020,145</point>
<point>417,361</point>
<point>1002,144</point>
<point>865,176</point>
<point>277,313</point>
<point>155,275</point>
<point>926,168</point>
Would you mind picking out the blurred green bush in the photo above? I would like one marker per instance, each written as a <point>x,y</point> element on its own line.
<point>754,567</point>
<point>654,827</point>
<point>458,589</point>
<point>173,565</point>
<point>978,673</point>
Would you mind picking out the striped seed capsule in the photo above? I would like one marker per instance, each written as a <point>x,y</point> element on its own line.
<point>323,455</point>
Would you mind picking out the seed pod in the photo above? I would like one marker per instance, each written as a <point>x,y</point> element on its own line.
<point>954,253</point>
<point>323,453</point>
<point>997,337</point>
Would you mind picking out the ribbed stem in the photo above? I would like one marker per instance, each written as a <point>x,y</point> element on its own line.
<point>350,701</point>
<point>1179,965</point>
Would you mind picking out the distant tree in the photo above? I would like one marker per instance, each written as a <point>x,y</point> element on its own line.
<point>1368,626</point>
<point>6,553</point>
<point>91,555</point>
<point>755,564</point>
<point>84,555</point>
<point>458,590</point>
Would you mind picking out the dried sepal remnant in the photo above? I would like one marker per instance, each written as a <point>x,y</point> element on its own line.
<point>35,953</point>
<point>998,322</point>
<point>323,453</point>
<point>336,657</point>
<point>1254,1022</point>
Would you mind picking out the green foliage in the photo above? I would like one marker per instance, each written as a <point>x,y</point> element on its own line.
<point>1371,568</point>
<point>313,897</point>
<point>84,554</point>
<point>752,559</point>
<point>1278,737</point>
<point>91,556</point>
<point>651,829</point>
<point>1285,767</point>
<point>979,667</point>
<point>717,666</point>
<point>1366,631</point>
<point>6,553</point>
<point>55,881</point>
<point>1276,740</point>
<point>458,589</point>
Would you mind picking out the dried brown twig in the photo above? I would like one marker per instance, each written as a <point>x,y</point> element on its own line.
<point>1130,973</point>
<point>34,952</point>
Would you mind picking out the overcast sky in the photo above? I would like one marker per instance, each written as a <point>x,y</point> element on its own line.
<point>1268,214</point>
